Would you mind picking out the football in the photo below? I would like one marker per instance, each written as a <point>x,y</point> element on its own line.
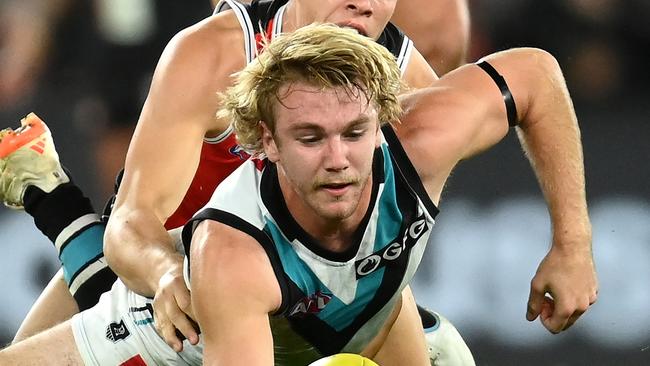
<point>344,359</point>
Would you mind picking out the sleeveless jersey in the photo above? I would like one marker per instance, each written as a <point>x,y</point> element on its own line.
<point>331,302</point>
<point>220,156</point>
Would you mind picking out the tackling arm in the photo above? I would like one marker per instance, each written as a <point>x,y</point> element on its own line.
<point>165,151</point>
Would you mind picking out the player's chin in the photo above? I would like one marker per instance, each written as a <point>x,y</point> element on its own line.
<point>338,210</point>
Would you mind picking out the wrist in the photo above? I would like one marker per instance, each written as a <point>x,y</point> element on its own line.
<point>576,239</point>
<point>173,262</point>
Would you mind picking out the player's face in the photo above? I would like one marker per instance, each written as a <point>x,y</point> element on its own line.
<point>323,144</point>
<point>369,17</point>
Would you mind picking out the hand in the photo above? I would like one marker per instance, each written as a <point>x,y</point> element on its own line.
<point>563,288</point>
<point>172,307</point>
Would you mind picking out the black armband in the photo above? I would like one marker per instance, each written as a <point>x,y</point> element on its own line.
<point>511,108</point>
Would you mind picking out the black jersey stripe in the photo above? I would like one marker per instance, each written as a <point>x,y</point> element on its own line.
<point>329,341</point>
<point>238,223</point>
<point>243,14</point>
<point>407,170</point>
<point>275,203</point>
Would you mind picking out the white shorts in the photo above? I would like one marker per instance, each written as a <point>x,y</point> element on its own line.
<point>119,330</point>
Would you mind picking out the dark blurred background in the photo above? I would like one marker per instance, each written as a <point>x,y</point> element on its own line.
<point>85,66</point>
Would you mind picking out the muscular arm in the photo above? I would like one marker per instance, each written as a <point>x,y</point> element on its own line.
<point>465,114</point>
<point>550,136</point>
<point>233,290</point>
<point>164,153</point>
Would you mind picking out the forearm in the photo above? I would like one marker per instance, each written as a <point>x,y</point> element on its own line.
<point>139,249</point>
<point>549,133</point>
<point>555,152</point>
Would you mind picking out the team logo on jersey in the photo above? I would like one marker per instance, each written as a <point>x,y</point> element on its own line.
<point>142,315</point>
<point>392,251</point>
<point>117,331</point>
<point>311,304</point>
<point>239,152</point>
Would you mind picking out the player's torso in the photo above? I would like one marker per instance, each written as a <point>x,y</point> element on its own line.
<point>333,302</point>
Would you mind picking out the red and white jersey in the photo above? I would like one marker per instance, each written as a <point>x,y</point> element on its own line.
<point>220,156</point>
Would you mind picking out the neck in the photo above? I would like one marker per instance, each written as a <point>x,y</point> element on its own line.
<point>293,18</point>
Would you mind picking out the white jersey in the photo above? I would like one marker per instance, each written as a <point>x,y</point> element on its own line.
<point>331,302</point>
<point>119,330</point>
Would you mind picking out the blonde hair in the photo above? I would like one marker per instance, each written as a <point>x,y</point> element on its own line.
<point>325,56</point>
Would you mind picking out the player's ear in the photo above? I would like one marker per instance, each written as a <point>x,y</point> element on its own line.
<point>268,143</point>
<point>378,137</point>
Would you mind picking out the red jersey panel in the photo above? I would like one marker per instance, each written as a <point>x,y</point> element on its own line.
<point>218,160</point>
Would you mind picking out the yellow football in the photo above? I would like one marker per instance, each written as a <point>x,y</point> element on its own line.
<point>344,359</point>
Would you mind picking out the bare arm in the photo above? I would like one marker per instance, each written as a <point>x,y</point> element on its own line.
<point>164,153</point>
<point>550,136</point>
<point>473,117</point>
<point>233,290</point>
<point>551,139</point>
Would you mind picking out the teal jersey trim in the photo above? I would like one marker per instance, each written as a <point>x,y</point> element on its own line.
<point>81,250</point>
<point>336,313</point>
<point>390,217</point>
<point>340,315</point>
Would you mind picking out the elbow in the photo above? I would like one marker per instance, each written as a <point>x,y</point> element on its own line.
<point>117,255</point>
<point>543,65</point>
<point>548,91</point>
<point>535,79</point>
<point>111,238</point>
<point>117,232</point>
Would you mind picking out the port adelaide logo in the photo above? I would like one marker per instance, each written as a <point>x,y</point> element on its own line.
<point>117,331</point>
<point>392,251</point>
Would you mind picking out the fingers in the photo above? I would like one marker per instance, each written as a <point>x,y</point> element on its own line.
<point>572,319</point>
<point>550,316</point>
<point>535,301</point>
<point>556,314</point>
<point>558,317</point>
<point>184,325</point>
<point>166,329</point>
<point>172,312</point>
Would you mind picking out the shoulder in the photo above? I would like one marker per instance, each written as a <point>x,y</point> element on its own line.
<point>212,42</point>
<point>227,260</point>
<point>196,65</point>
<point>458,116</point>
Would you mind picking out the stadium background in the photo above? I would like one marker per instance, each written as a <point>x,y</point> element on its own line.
<point>493,229</point>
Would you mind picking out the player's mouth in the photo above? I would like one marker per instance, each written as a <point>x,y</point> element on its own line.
<point>336,188</point>
<point>356,26</point>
